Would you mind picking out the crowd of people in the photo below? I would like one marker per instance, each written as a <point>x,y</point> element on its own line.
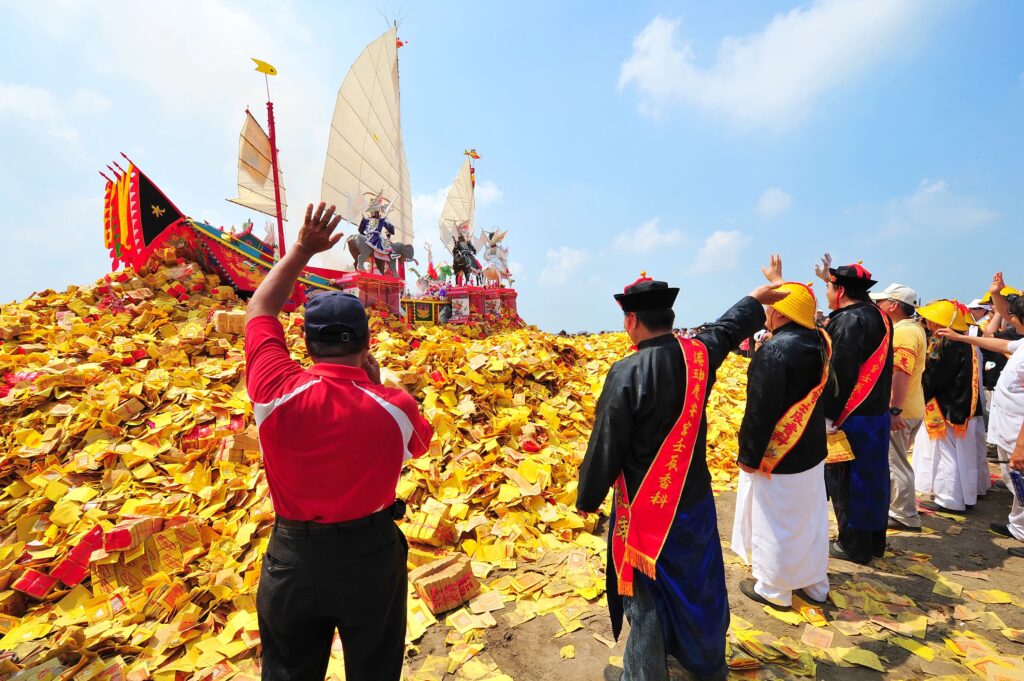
<point>836,407</point>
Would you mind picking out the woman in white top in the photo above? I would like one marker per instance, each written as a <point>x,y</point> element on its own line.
<point>1006,411</point>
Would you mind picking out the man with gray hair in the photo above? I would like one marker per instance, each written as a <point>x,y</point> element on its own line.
<point>907,402</point>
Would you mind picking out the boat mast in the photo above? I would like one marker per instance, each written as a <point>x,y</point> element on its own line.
<point>273,164</point>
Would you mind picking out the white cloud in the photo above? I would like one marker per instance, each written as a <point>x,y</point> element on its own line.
<point>773,202</point>
<point>771,78</point>
<point>487,193</point>
<point>191,60</point>
<point>89,102</point>
<point>561,264</point>
<point>426,208</point>
<point>58,234</point>
<point>44,109</point>
<point>648,237</point>
<point>934,207</point>
<point>719,252</point>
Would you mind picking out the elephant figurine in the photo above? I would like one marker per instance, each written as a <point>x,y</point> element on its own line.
<point>361,252</point>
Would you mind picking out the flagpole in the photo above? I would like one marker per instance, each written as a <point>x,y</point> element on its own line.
<point>277,175</point>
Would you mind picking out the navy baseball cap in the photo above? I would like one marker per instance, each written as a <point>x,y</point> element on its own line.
<point>336,317</point>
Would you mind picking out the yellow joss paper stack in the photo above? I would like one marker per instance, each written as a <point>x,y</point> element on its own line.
<point>134,512</point>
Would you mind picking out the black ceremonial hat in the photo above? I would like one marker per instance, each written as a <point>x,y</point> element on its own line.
<point>852,276</point>
<point>646,294</point>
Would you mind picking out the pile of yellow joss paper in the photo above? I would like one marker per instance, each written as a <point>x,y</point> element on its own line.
<point>121,400</point>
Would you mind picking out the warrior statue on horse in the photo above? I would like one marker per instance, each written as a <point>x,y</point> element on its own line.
<point>373,242</point>
<point>464,263</point>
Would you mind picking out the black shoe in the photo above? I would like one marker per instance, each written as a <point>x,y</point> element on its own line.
<point>932,506</point>
<point>747,587</point>
<point>836,550</point>
<point>803,594</point>
<point>1000,528</point>
<point>612,673</point>
<point>1016,551</point>
<point>900,527</point>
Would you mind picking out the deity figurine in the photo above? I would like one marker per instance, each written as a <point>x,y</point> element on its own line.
<point>376,228</point>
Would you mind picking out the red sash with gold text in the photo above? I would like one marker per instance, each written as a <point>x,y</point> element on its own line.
<point>641,525</point>
<point>793,423</point>
<point>935,422</point>
<point>870,371</point>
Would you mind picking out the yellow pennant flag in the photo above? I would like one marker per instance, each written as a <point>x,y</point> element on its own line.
<point>264,67</point>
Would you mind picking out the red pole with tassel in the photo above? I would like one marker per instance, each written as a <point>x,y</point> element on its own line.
<point>277,176</point>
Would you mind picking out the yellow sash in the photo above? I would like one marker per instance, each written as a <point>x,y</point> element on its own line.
<point>793,423</point>
<point>641,525</point>
<point>934,421</point>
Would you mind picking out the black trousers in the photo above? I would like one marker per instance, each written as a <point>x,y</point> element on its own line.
<point>316,581</point>
<point>860,545</point>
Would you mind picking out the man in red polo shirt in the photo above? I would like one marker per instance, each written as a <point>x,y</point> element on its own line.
<point>333,441</point>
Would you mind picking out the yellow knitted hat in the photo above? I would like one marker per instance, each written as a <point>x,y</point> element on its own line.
<point>800,305</point>
<point>945,313</point>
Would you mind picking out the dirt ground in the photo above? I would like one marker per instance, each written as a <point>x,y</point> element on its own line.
<point>531,650</point>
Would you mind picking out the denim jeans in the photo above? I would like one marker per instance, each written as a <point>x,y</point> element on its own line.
<point>644,659</point>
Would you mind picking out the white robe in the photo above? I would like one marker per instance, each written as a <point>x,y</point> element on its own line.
<point>781,529</point>
<point>947,468</point>
<point>1006,413</point>
<point>976,434</point>
<point>976,431</point>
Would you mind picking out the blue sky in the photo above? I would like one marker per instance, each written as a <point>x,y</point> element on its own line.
<point>686,139</point>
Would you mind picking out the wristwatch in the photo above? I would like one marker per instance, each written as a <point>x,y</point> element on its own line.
<point>895,411</point>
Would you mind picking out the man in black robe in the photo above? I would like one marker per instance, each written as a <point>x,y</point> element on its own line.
<point>683,611</point>
<point>859,489</point>
<point>781,526</point>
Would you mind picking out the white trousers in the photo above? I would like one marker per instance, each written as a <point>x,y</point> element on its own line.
<point>781,530</point>
<point>976,433</point>
<point>946,468</point>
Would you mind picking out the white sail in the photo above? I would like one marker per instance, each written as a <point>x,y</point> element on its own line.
<point>365,152</point>
<point>255,171</point>
<point>458,207</point>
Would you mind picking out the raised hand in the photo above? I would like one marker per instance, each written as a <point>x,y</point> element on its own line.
<point>769,293</point>
<point>317,229</point>
<point>773,272</point>
<point>997,284</point>
<point>822,269</point>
